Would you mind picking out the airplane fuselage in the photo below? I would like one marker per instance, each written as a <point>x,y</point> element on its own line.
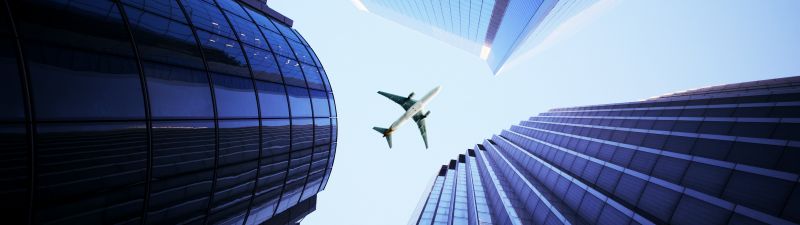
<point>414,109</point>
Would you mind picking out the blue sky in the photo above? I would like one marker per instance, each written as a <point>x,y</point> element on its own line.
<point>626,51</point>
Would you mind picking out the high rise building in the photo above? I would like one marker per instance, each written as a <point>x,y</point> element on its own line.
<point>159,112</point>
<point>725,154</point>
<point>491,29</point>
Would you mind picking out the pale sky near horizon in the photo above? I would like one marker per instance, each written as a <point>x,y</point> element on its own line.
<point>628,51</point>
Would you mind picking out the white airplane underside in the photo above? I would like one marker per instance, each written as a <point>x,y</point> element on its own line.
<point>414,109</point>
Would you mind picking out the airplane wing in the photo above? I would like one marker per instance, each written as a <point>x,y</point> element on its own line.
<point>419,118</point>
<point>405,102</point>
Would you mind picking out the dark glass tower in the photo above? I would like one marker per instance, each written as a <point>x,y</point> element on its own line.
<point>726,154</point>
<point>490,29</point>
<point>159,111</point>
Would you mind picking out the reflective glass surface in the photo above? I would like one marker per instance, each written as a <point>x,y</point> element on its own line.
<point>11,100</point>
<point>235,97</point>
<point>274,103</point>
<point>177,92</point>
<point>299,102</point>
<point>156,112</point>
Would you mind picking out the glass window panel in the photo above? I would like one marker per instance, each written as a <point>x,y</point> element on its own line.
<point>169,9</point>
<point>223,55</point>
<point>273,100</point>
<point>162,40</point>
<point>276,136</point>
<point>302,134</point>
<point>235,97</point>
<point>236,170</point>
<point>334,129</point>
<point>612,216</point>
<point>291,71</point>
<point>238,141</point>
<point>301,52</point>
<point>81,24</point>
<point>248,32</point>
<point>278,44</point>
<point>178,93</point>
<point>322,131</point>
<point>670,169</point>
<point>286,31</point>
<point>320,102</point>
<point>207,17</point>
<point>768,195</point>
<point>313,77</point>
<point>694,211</point>
<point>270,182</point>
<point>706,178</point>
<point>107,169</point>
<point>260,19</point>
<point>299,102</point>
<point>15,185</point>
<point>69,84</point>
<point>232,6</point>
<point>183,167</point>
<point>11,100</point>
<point>792,209</point>
<point>263,64</point>
<point>658,201</point>
<point>332,104</point>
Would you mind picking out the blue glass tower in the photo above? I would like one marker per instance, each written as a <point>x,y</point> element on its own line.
<point>726,154</point>
<point>159,112</point>
<point>491,29</point>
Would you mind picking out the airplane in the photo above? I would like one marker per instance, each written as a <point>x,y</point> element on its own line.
<point>413,109</point>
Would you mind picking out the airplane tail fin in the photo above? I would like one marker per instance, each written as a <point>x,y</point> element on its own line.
<point>385,134</point>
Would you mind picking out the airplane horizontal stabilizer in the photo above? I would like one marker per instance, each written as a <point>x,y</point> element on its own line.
<point>383,131</point>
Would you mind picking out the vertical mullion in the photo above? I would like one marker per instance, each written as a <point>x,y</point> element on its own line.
<point>255,92</point>
<point>148,116</point>
<point>30,122</point>
<point>213,98</point>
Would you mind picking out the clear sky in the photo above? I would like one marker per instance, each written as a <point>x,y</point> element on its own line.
<point>626,50</point>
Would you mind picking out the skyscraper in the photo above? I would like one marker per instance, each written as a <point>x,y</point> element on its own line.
<point>159,111</point>
<point>491,29</point>
<point>726,154</point>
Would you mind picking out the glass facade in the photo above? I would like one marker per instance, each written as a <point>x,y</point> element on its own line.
<point>717,155</point>
<point>159,112</point>
<point>491,29</point>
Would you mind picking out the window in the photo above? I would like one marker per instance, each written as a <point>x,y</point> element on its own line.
<point>629,188</point>
<point>301,52</point>
<point>232,6</point>
<point>273,101</point>
<point>693,211</point>
<point>16,172</point>
<point>278,43</point>
<point>608,180</point>
<point>299,102</point>
<point>658,201</point>
<point>178,93</point>
<point>313,77</point>
<point>11,100</point>
<point>590,208</point>
<point>69,84</point>
<point>276,136</point>
<point>322,131</point>
<point>320,102</point>
<point>292,74</point>
<point>302,133</point>
<point>286,31</point>
<point>263,64</point>
<point>768,196</point>
<point>168,9</point>
<point>207,17</point>
<point>235,97</point>
<point>236,171</point>
<point>223,55</point>
<point>163,40</point>
<point>182,171</point>
<point>248,32</point>
<point>760,155</point>
<point>260,19</point>
<point>709,148</point>
<point>102,155</point>
<point>81,24</point>
<point>706,178</point>
<point>268,190</point>
<point>612,216</point>
<point>332,105</point>
<point>670,169</point>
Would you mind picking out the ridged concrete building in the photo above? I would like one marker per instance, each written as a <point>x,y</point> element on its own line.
<point>726,154</point>
<point>159,112</point>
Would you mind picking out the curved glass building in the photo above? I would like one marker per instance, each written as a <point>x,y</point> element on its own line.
<point>159,111</point>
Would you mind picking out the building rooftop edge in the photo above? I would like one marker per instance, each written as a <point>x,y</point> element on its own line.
<point>261,5</point>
